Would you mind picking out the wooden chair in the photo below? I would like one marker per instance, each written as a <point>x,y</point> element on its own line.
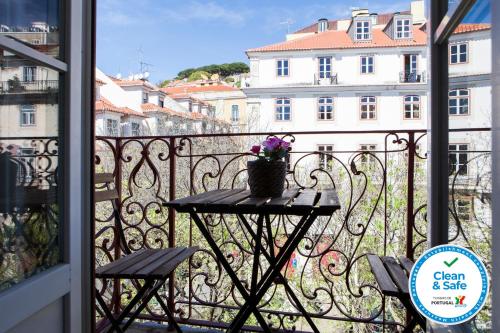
<point>152,266</point>
<point>392,279</point>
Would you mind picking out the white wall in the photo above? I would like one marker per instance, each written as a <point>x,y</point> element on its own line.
<point>303,66</point>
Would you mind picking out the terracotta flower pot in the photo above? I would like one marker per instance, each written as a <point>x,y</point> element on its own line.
<point>266,178</point>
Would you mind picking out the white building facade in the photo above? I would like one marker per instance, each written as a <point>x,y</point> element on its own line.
<point>365,73</point>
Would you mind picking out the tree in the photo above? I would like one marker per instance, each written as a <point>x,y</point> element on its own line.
<point>224,70</point>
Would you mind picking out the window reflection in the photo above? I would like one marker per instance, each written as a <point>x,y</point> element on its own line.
<point>34,22</point>
<point>29,159</point>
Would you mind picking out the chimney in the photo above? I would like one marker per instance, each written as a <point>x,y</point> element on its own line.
<point>418,11</point>
<point>322,25</point>
<point>359,12</point>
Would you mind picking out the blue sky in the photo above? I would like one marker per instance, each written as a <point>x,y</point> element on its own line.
<point>173,35</point>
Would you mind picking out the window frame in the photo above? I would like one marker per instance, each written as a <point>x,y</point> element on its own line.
<point>368,104</point>
<point>321,104</point>
<point>325,74</point>
<point>283,67</point>
<point>31,113</point>
<point>279,109</point>
<point>367,159</point>
<point>233,109</point>
<point>457,152</point>
<point>367,65</point>
<point>138,129</point>
<point>365,32</point>
<point>108,132</point>
<point>30,74</point>
<point>412,103</point>
<point>458,54</point>
<point>458,98</point>
<point>325,156</point>
<point>403,34</point>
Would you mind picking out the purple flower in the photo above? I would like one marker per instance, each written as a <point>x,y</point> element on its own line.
<point>255,149</point>
<point>272,143</point>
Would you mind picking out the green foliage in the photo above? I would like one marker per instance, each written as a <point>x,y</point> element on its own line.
<point>164,83</point>
<point>199,75</point>
<point>224,70</point>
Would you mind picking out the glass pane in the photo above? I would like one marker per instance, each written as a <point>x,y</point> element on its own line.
<point>29,159</point>
<point>35,22</point>
<point>470,161</point>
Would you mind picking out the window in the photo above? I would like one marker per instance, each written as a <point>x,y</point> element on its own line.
<point>412,107</point>
<point>367,65</point>
<point>368,159</point>
<point>145,97</point>
<point>325,157</point>
<point>368,107</point>
<point>458,158</point>
<point>112,127</point>
<point>464,209</point>
<point>283,109</point>
<point>136,129</point>
<point>235,113</point>
<point>282,67</point>
<point>458,103</point>
<point>403,28</point>
<point>29,74</point>
<point>27,165</point>
<point>28,115</point>
<point>325,67</point>
<point>363,30</point>
<point>161,103</point>
<point>325,108</point>
<point>459,53</point>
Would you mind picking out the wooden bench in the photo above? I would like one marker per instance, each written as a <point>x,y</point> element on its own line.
<point>392,278</point>
<point>152,266</point>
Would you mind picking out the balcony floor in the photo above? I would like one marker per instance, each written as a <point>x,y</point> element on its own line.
<point>157,328</point>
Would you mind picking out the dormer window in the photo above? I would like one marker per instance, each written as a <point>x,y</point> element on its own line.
<point>403,29</point>
<point>363,30</point>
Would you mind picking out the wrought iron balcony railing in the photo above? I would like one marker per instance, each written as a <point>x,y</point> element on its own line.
<point>330,80</point>
<point>413,77</point>
<point>27,87</point>
<point>383,195</point>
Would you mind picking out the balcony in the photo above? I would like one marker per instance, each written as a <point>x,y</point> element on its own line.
<point>328,81</point>
<point>383,199</point>
<point>29,87</point>
<point>413,77</point>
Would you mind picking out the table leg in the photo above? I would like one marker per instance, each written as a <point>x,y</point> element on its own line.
<point>232,275</point>
<point>271,258</point>
<point>256,256</point>
<point>272,272</point>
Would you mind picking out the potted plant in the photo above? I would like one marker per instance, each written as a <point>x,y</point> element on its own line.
<point>266,174</point>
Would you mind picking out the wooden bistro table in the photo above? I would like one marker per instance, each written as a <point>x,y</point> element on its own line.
<point>308,204</point>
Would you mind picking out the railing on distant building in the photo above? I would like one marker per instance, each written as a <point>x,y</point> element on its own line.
<point>331,80</point>
<point>413,77</point>
<point>22,87</point>
<point>383,195</point>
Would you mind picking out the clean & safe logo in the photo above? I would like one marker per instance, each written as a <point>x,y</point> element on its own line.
<point>449,284</point>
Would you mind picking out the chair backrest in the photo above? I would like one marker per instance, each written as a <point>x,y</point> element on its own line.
<point>8,171</point>
<point>108,192</point>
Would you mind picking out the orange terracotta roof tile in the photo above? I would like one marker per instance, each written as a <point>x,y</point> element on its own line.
<point>132,83</point>
<point>471,27</point>
<point>103,105</point>
<point>341,40</point>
